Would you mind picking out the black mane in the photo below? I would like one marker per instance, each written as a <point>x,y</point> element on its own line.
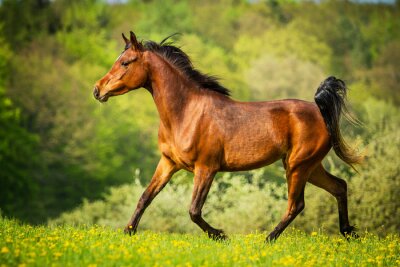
<point>179,59</point>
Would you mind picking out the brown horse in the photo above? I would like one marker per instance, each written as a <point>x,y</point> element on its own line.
<point>204,131</point>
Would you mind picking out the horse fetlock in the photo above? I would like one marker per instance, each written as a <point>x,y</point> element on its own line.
<point>195,215</point>
<point>217,234</point>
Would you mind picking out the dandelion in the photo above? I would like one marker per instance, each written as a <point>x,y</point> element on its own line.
<point>180,244</point>
<point>4,250</point>
<point>32,254</point>
<point>57,254</point>
<point>254,257</point>
<point>314,233</point>
<point>16,252</point>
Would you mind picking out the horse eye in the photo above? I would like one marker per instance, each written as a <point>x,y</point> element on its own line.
<point>126,63</point>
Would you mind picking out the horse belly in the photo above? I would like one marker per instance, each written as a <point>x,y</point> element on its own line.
<point>243,156</point>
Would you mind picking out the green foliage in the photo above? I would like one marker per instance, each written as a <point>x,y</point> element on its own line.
<point>162,16</point>
<point>384,76</point>
<point>379,175</point>
<point>282,43</point>
<point>242,203</point>
<point>26,20</point>
<point>18,182</point>
<point>80,152</point>
<point>18,147</point>
<point>270,77</point>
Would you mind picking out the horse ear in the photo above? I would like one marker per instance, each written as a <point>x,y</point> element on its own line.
<point>125,39</point>
<point>135,44</point>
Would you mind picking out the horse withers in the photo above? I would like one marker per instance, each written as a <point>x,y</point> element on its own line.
<point>204,131</point>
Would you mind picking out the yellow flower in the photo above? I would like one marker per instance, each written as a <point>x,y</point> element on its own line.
<point>4,250</point>
<point>16,252</point>
<point>32,254</point>
<point>314,233</point>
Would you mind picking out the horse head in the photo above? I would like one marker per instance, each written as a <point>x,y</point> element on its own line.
<point>129,72</point>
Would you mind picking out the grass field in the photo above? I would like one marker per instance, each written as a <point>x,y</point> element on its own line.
<point>24,245</point>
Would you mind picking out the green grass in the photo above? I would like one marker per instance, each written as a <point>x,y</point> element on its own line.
<point>24,245</point>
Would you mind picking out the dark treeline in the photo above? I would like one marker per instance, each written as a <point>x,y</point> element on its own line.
<point>58,145</point>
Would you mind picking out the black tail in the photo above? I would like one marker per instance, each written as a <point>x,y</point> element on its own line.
<point>330,98</point>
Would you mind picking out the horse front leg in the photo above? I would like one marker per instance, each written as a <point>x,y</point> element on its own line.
<point>165,169</point>
<point>203,179</point>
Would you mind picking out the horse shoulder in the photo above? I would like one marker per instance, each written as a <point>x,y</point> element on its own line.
<point>180,144</point>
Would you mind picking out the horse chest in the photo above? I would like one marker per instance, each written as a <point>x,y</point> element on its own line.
<point>180,150</point>
<point>193,142</point>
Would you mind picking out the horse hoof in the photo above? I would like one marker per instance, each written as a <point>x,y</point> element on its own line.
<point>349,233</point>
<point>218,235</point>
<point>129,230</point>
<point>271,238</point>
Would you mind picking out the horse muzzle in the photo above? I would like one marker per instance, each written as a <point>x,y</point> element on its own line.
<point>96,94</point>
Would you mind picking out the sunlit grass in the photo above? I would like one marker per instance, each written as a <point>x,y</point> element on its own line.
<point>24,245</point>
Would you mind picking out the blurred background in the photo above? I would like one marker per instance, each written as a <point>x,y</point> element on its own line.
<point>66,158</point>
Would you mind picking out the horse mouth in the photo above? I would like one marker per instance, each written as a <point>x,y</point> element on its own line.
<point>103,99</point>
<point>112,92</point>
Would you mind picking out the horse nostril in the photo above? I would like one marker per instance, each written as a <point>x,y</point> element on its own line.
<point>96,92</point>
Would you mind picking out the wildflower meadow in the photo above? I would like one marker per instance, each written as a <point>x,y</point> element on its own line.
<point>25,245</point>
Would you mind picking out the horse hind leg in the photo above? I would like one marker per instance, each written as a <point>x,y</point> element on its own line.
<point>296,179</point>
<point>338,188</point>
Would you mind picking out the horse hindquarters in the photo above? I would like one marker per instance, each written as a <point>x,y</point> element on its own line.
<point>309,143</point>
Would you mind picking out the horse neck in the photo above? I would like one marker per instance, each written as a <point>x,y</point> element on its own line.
<point>171,91</point>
